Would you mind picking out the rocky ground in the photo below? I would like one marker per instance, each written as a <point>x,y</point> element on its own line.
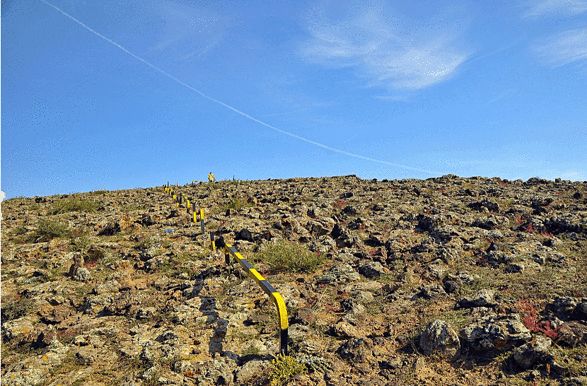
<point>442,281</point>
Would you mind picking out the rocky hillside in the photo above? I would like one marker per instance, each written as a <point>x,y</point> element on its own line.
<point>445,281</point>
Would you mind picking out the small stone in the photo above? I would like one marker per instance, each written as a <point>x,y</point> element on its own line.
<point>146,313</point>
<point>352,349</point>
<point>244,234</point>
<point>341,273</point>
<point>372,270</point>
<point>439,338</point>
<point>82,274</point>
<point>85,356</point>
<point>451,286</point>
<point>345,330</point>
<point>483,298</point>
<point>515,268</point>
<point>109,229</point>
<point>250,372</point>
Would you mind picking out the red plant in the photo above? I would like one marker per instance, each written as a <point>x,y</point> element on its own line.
<point>532,322</point>
<point>519,219</point>
<point>340,203</point>
<point>528,227</point>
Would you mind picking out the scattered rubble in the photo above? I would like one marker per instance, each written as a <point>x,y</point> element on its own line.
<point>441,281</point>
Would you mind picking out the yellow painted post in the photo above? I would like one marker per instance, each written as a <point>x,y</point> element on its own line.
<point>212,242</point>
<point>282,319</point>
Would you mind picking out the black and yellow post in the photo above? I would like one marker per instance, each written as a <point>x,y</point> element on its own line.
<point>212,242</point>
<point>229,250</point>
<point>283,322</point>
<point>202,224</point>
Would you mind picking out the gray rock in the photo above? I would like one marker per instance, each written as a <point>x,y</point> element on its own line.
<point>352,350</point>
<point>81,274</point>
<point>85,356</point>
<point>372,270</point>
<point>483,298</point>
<point>494,334</point>
<point>146,313</point>
<point>571,334</point>
<point>439,338</point>
<point>109,229</point>
<point>515,268</point>
<point>428,292</point>
<point>533,353</point>
<point>563,306</point>
<point>581,311</point>
<point>342,273</point>
<point>314,362</point>
<point>250,372</point>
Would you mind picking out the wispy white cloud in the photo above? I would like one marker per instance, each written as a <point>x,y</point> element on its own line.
<point>387,51</point>
<point>564,48</point>
<point>187,30</point>
<point>547,8</point>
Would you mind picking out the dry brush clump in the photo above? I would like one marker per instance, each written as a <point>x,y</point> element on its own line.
<point>74,204</point>
<point>287,256</point>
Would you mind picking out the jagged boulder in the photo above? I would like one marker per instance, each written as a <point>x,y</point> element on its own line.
<point>439,338</point>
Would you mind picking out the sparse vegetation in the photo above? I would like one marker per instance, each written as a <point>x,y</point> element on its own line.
<point>236,204</point>
<point>80,244</point>
<point>48,230</point>
<point>74,205</point>
<point>356,312</point>
<point>287,256</point>
<point>283,369</point>
<point>16,309</point>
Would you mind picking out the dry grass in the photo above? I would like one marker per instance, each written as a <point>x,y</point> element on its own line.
<point>287,256</point>
<point>73,205</point>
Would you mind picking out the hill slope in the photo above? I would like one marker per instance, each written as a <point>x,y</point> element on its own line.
<point>439,281</point>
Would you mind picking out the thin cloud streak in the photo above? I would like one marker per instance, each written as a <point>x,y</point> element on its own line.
<point>548,8</point>
<point>234,109</point>
<point>568,47</point>
<point>381,51</point>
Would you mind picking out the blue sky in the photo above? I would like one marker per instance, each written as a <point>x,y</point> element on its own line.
<point>378,89</point>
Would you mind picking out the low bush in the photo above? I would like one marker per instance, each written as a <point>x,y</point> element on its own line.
<point>287,256</point>
<point>236,204</point>
<point>47,230</point>
<point>73,205</point>
<point>284,369</point>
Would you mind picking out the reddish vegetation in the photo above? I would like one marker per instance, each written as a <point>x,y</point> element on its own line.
<point>526,226</point>
<point>340,203</point>
<point>532,322</point>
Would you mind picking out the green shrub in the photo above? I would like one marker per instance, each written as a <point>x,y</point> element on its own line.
<point>47,230</point>
<point>16,309</point>
<point>287,256</point>
<point>236,204</point>
<point>73,205</point>
<point>80,244</point>
<point>283,369</point>
<point>20,230</point>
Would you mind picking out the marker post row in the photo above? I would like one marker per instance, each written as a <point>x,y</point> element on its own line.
<point>230,251</point>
